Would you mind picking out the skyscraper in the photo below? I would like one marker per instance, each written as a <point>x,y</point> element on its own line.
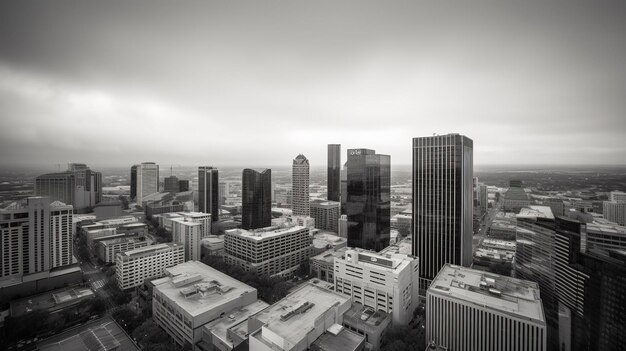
<point>79,186</point>
<point>170,184</point>
<point>147,180</point>
<point>256,198</point>
<point>300,186</point>
<point>133,182</point>
<point>442,203</point>
<point>368,184</point>
<point>334,171</point>
<point>208,191</point>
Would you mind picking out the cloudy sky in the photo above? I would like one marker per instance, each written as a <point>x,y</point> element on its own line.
<point>254,83</point>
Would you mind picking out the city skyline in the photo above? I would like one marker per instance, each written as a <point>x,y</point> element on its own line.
<point>379,74</point>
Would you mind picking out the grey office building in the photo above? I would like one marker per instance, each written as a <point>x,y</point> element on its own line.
<point>208,191</point>
<point>256,198</point>
<point>442,203</point>
<point>334,171</point>
<point>367,205</point>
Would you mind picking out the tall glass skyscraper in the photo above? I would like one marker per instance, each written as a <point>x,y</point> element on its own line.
<point>133,182</point>
<point>368,206</point>
<point>147,180</point>
<point>256,198</point>
<point>334,171</point>
<point>300,186</point>
<point>208,191</point>
<point>442,203</point>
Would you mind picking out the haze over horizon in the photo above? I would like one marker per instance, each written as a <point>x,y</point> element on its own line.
<point>225,83</point>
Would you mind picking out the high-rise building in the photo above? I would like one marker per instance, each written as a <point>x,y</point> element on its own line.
<point>256,198</point>
<point>615,211</point>
<point>133,182</point>
<point>147,180</point>
<point>484,198</point>
<point>326,215</point>
<point>79,186</point>
<point>189,234</point>
<point>617,196</point>
<point>208,191</point>
<point>300,186</point>
<point>368,201</point>
<point>35,237</point>
<point>590,285</point>
<point>183,185</point>
<point>468,309</point>
<point>171,184</point>
<point>133,267</point>
<point>442,203</point>
<point>387,283</point>
<point>334,172</point>
<point>343,226</point>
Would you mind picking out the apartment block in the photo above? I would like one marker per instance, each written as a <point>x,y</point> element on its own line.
<point>135,266</point>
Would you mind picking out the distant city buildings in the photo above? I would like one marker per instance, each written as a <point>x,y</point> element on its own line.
<point>208,191</point>
<point>79,186</point>
<point>300,186</point>
<point>615,211</point>
<point>334,172</point>
<point>467,309</point>
<point>268,251</point>
<point>147,180</point>
<point>133,267</point>
<point>515,198</point>
<point>387,283</point>
<point>256,199</point>
<point>326,215</point>
<point>368,201</point>
<point>442,203</point>
<point>343,226</point>
<point>171,184</point>
<point>617,196</point>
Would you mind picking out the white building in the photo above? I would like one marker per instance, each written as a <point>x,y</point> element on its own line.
<point>147,180</point>
<point>343,226</point>
<point>135,266</point>
<point>61,235</point>
<point>617,196</point>
<point>188,234</point>
<point>296,321</point>
<point>106,250</point>
<point>193,294</point>
<point>165,220</point>
<point>467,309</point>
<point>615,211</point>
<point>300,186</point>
<point>268,251</point>
<point>388,283</point>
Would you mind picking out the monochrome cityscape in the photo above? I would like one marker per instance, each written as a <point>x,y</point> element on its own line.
<point>295,176</point>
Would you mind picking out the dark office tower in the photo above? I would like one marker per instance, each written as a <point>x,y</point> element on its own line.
<point>368,201</point>
<point>133,182</point>
<point>590,285</point>
<point>183,185</point>
<point>256,198</point>
<point>442,203</point>
<point>170,184</point>
<point>208,195</point>
<point>334,171</point>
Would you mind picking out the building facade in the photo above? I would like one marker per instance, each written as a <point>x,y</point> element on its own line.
<point>208,191</point>
<point>471,310</point>
<point>256,199</point>
<point>147,180</point>
<point>171,184</point>
<point>79,186</point>
<point>106,250</point>
<point>133,182</point>
<point>300,186</point>
<point>326,215</point>
<point>615,211</point>
<point>368,200</point>
<point>133,267</point>
<point>334,172</point>
<point>442,203</point>
<point>188,233</point>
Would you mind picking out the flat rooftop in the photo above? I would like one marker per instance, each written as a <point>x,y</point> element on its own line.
<point>535,211</point>
<point>389,262</point>
<point>220,326</point>
<point>500,244</point>
<point>101,334</point>
<point>515,297</point>
<point>294,316</point>
<point>50,300</point>
<point>198,288</point>
<point>325,204</point>
<point>267,232</point>
<point>322,240</point>
<point>366,315</point>
<point>329,255</point>
<point>150,249</point>
<point>603,226</point>
<point>404,246</point>
<point>338,338</point>
<point>122,240</point>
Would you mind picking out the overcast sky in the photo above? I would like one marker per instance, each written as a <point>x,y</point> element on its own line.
<point>254,83</point>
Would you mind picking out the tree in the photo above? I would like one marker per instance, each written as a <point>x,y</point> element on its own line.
<point>127,319</point>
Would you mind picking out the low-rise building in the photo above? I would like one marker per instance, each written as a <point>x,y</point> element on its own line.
<point>323,241</point>
<point>106,250</point>
<point>322,266</point>
<point>193,294</point>
<point>338,337</point>
<point>231,330</point>
<point>212,245</point>
<point>615,211</point>
<point>367,322</point>
<point>135,266</point>
<point>187,233</point>
<point>388,283</point>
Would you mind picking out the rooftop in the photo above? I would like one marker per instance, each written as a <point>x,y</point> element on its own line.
<point>322,240</point>
<point>603,226</point>
<point>220,326</point>
<point>535,211</point>
<point>325,204</point>
<point>515,297</point>
<point>101,334</point>
<point>198,288</point>
<point>391,262</point>
<point>499,244</point>
<point>404,246</point>
<point>267,232</point>
<point>121,238</point>
<point>366,315</point>
<point>150,249</point>
<point>294,316</point>
<point>329,255</point>
<point>338,338</point>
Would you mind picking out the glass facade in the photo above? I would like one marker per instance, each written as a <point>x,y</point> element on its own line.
<point>208,191</point>
<point>256,199</point>
<point>367,205</point>
<point>334,171</point>
<point>133,182</point>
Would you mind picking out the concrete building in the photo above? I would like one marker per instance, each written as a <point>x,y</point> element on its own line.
<point>326,215</point>
<point>615,211</point>
<point>268,251</point>
<point>230,331</point>
<point>147,180</point>
<point>334,172</point>
<point>193,294</point>
<point>187,233</point>
<point>296,321</point>
<point>153,209</point>
<point>212,245</point>
<point>300,186</point>
<point>472,310</point>
<point>170,184</point>
<point>338,337</point>
<point>322,266</point>
<point>515,198</point>
<point>208,191</point>
<point>617,196</point>
<point>36,236</point>
<point>78,186</point>
<point>387,283</point>
<point>442,203</point>
<point>367,322</point>
<point>106,250</point>
<point>343,226</point>
<point>323,241</point>
<point>133,267</point>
